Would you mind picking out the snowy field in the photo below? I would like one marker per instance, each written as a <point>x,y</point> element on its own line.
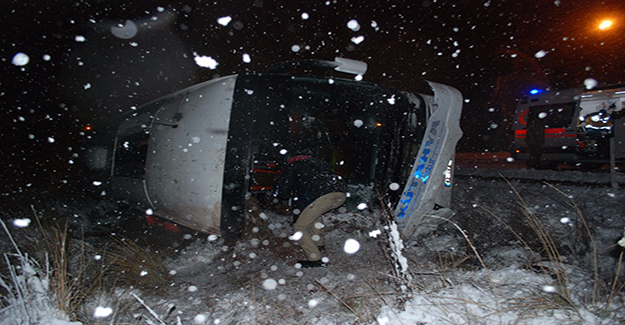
<point>517,251</point>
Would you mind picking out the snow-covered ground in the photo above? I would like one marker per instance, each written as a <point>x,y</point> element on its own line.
<point>494,271</point>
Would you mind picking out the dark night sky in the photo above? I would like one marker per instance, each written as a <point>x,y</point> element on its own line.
<point>484,48</point>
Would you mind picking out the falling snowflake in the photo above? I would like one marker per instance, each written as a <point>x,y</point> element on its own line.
<point>353,25</point>
<point>205,61</point>
<point>358,39</point>
<point>21,223</point>
<point>296,236</point>
<point>200,319</point>
<point>224,21</point>
<point>590,83</point>
<point>375,233</point>
<point>550,289</point>
<point>127,30</point>
<point>20,59</point>
<point>351,246</point>
<point>270,284</point>
<point>102,312</point>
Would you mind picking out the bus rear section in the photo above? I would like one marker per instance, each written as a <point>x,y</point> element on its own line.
<point>573,127</point>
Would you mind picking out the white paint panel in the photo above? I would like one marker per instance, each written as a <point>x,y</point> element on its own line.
<point>429,183</point>
<point>187,153</point>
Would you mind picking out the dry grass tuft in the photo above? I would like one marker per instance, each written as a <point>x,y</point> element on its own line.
<point>135,265</point>
<point>77,280</point>
<point>555,267</point>
<point>546,258</point>
<point>72,276</point>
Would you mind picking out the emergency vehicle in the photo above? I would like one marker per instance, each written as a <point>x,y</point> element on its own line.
<point>576,127</point>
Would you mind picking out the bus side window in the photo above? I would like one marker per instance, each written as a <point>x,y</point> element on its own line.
<point>130,155</point>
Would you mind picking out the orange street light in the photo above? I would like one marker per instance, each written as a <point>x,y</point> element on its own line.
<point>605,24</point>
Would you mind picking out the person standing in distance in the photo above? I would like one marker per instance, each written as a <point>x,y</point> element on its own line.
<point>315,190</point>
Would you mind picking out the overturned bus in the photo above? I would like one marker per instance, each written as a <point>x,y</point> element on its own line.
<point>194,157</point>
